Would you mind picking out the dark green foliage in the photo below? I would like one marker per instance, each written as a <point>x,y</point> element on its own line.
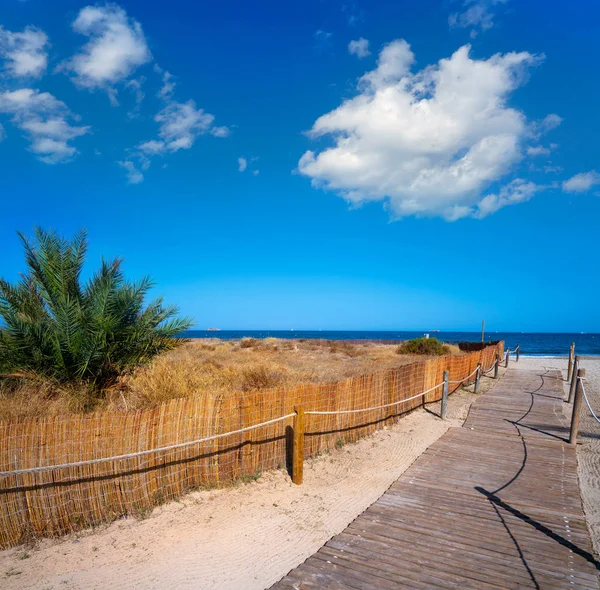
<point>430,346</point>
<point>54,326</point>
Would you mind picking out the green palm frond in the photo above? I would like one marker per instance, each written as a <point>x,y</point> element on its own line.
<point>52,325</point>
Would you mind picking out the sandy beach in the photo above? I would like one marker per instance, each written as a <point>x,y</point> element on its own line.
<point>251,535</point>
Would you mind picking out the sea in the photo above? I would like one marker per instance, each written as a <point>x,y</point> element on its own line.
<point>532,344</point>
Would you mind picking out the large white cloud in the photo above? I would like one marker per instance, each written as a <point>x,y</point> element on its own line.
<point>25,52</point>
<point>44,119</point>
<point>117,47</point>
<point>429,142</point>
<point>581,182</point>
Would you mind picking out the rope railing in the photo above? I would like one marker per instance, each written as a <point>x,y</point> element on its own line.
<point>587,401</point>
<point>204,439</point>
<point>316,413</point>
<point>493,366</point>
<point>477,369</point>
<point>504,359</point>
<point>145,452</point>
<point>577,394</point>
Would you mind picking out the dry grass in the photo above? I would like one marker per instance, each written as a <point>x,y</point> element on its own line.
<point>210,365</point>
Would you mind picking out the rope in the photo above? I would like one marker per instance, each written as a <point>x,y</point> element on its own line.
<point>465,378</point>
<point>141,453</point>
<point>587,401</point>
<point>374,407</point>
<point>490,369</point>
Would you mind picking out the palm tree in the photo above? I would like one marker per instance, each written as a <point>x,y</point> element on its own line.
<point>52,325</point>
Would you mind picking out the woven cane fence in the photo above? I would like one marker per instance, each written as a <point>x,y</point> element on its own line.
<point>61,474</point>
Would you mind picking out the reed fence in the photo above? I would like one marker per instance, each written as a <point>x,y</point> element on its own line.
<point>64,473</point>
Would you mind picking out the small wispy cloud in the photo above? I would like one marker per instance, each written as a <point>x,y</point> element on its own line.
<point>352,12</point>
<point>179,126</point>
<point>117,47</point>
<point>321,35</point>
<point>538,150</point>
<point>538,128</point>
<point>582,182</point>
<point>517,191</point>
<point>359,47</point>
<point>135,87</point>
<point>220,131</point>
<point>245,163</point>
<point>168,85</point>
<point>45,121</point>
<point>25,52</point>
<point>322,40</point>
<point>134,176</point>
<point>478,15</point>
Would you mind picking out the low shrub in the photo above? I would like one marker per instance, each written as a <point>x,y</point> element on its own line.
<point>431,346</point>
<point>249,342</point>
<point>260,377</point>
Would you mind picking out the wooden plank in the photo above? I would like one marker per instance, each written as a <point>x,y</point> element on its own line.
<point>494,504</point>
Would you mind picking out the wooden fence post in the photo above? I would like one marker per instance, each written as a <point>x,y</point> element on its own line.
<point>576,407</point>
<point>570,365</point>
<point>477,375</point>
<point>298,446</point>
<point>507,355</point>
<point>518,351</point>
<point>444,396</point>
<point>573,378</point>
<point>496,365</point>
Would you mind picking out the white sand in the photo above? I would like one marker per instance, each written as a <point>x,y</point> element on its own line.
<point>246,537</point>
<point>588,451</point>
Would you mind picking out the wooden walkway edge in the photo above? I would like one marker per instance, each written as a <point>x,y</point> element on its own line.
<point>494,504</point>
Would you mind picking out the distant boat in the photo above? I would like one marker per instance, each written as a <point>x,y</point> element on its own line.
<point>213,329</point>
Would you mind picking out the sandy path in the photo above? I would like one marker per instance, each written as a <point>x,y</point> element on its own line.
<point>246,537</point>
<point>588,451</point>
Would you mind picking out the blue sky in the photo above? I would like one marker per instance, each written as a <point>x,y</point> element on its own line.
<point>325,164</point>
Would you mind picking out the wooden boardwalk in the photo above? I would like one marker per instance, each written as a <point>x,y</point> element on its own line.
<point>494,504</point>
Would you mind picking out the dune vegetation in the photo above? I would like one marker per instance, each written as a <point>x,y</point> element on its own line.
<point>209,365</point>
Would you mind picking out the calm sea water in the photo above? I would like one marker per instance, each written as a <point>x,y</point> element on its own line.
<point>542,344</point>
